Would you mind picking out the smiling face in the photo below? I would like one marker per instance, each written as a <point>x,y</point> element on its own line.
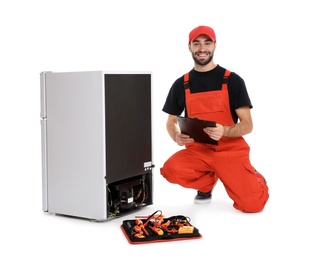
<point>202,50</point>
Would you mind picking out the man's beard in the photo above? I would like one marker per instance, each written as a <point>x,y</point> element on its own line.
<point>202,62</point>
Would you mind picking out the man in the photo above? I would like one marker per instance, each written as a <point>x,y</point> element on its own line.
<point>211,92</point>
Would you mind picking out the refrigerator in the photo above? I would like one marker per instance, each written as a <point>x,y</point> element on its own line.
<point>96,141</point>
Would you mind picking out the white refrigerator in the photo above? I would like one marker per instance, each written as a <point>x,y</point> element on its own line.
<point>96,130</point>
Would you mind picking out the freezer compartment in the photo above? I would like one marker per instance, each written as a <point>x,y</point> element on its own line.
<point>130,194</point>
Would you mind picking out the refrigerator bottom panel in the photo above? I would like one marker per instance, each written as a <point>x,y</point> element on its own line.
<point>123,197</point>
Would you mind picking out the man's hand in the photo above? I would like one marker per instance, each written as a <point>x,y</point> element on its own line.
<point>215,133</point>
<point>182,139</point>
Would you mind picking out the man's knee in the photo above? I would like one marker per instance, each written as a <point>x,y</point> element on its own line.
<point>252,205</point>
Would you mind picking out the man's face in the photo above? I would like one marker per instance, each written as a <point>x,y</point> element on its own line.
<point>202,49</point>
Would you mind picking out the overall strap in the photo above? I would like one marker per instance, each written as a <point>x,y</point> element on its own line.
<point>186,78</point>
<point>225,79</point>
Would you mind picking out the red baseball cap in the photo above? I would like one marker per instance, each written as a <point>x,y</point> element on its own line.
<point>202,30</point>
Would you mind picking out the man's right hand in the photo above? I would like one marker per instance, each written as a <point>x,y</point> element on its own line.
<point>183,139</point>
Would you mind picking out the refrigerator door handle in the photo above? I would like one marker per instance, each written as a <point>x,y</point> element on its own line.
<point>44,164</point>
<point>43,122</point>
<point>43,108</point>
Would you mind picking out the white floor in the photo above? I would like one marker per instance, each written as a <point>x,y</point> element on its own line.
<point>284,229</point>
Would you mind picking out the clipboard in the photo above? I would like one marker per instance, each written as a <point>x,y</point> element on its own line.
<point>194,128</point>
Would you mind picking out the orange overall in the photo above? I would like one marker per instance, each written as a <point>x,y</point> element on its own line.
<point>199,166</point>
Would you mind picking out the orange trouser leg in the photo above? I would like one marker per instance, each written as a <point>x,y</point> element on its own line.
<point>244,185</point>
<point>190,168</point>
<point>198,167</point>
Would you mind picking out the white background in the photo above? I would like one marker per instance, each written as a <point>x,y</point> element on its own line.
<point>268,43</point>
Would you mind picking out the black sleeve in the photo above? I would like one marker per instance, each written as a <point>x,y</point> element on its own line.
<point>238,94</point>
<point>175,101</point>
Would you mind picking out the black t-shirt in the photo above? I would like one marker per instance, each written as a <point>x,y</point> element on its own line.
<point>208,81</point>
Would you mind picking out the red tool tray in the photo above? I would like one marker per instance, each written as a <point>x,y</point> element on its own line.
<point>157,228</point>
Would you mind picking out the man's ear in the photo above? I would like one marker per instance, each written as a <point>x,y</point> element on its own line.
<point>189,45</point>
